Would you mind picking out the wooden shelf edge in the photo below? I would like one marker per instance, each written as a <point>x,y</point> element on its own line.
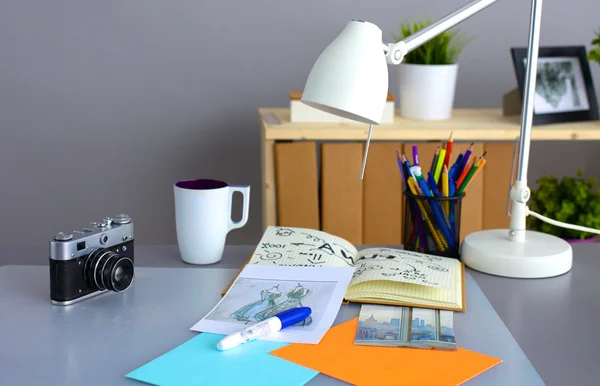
<point>466,124</point>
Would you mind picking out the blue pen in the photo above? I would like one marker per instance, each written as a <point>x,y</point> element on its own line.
<point>432,185</point>
<point>454,170</point>
<point>435,207</point>
<point>436,193</point>
<point>436,213</point>
<point>451,171</point>
<point>418,174</point>
<point>275,323</point>
<point>452,192</point>
<point>407,165</point>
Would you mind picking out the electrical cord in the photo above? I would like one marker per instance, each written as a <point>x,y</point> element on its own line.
<point>562,224</point>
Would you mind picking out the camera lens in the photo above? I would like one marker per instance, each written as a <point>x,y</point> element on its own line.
<point>107,270</point>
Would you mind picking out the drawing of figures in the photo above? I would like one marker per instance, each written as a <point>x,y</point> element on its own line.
<point>249,311</point>
<point>293,300</point>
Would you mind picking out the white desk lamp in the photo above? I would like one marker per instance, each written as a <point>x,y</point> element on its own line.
<point>350,80</point>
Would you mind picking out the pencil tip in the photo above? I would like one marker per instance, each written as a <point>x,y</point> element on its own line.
<point>484,153</point>
<point>445,169</point>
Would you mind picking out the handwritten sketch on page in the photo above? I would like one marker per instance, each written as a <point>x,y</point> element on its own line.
<point>404,266</point>
<point>303,247</point>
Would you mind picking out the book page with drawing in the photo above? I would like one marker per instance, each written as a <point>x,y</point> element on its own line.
<point>288,246</point>
<point>406,277</point>
<point>383,275</point>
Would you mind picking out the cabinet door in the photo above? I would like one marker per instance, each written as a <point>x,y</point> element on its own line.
<point>382,195</point>
<point>496,184</point>
<point>342,190</point>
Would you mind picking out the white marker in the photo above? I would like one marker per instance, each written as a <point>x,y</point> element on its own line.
<point>264,328</point>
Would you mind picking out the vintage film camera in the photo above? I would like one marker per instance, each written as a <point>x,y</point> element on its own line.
<point>91,260</point>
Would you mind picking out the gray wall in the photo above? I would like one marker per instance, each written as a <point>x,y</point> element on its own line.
<point>104,104</point>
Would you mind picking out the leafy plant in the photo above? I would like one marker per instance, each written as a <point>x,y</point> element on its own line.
<point>573,200</point>
<point>595,52</point>
<point>442,49</point>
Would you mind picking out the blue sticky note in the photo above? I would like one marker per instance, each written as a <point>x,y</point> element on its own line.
<point>198,362</point>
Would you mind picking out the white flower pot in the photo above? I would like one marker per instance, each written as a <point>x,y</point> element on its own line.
<point>426,91</point>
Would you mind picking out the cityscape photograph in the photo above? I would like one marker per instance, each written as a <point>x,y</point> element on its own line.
<point>381,325</point>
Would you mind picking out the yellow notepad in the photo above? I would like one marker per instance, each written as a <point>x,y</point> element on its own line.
<point>382,275</point>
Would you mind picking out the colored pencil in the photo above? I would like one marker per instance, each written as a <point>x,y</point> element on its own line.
<point>437,193</point>
<point>482,162</point>
<point>406,165</point>
<point>465,160</point>
<point>437,214</point>
<point>422,238</point>
<point>434,161</point>
<point>440,163</point>
<point>413,187</point>
<point>452,192</point>
<point>442,239</point>
<point>445,188</point>
<point>401,167</point>
<point>412,239</point>
<point>448,150</point>
<point>466,171</point>
<point>468,178</point>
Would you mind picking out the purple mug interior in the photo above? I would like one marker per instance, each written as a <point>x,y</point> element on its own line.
<point>201,184</point>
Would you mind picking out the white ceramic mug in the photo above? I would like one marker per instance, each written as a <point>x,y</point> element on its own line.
<point>203,218</point>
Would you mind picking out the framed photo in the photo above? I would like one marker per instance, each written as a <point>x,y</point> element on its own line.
<point>564,90</point>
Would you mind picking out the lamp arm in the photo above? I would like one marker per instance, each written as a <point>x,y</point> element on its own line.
<point>395,51</point>
<point>520,192</point>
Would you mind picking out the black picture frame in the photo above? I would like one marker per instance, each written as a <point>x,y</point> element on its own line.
<point>519,56</point>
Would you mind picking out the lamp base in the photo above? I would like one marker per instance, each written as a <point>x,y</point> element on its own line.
<point>541,255</point>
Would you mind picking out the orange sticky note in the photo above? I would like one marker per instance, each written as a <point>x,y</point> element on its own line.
<point>337,356</point>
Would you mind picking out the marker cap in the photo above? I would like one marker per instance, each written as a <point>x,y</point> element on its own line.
<point>293,316</point>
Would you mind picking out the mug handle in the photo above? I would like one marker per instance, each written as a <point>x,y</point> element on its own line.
<point>245,190</point>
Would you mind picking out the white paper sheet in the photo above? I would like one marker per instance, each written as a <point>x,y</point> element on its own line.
<point>261,291</point>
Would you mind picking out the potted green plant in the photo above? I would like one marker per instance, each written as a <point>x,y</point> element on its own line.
<point>595,52</point>
<point>572,200</point>
<point>427,75</point>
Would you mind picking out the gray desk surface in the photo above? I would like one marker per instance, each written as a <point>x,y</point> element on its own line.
<point>553,320</point>
<point>98,341</point>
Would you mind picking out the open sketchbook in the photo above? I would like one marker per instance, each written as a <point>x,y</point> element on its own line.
<point>381,276</point>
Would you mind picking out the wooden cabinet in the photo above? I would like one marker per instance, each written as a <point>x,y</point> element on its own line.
<point>311,171</point>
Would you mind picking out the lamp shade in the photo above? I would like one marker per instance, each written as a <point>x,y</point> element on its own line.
<point>350,77</point>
